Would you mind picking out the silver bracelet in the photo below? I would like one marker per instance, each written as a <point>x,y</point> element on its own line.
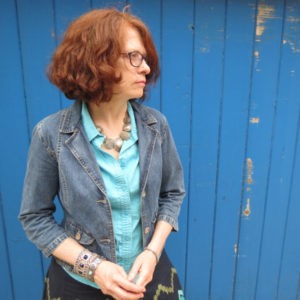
<point>87,263</point>
<point>155,254</point>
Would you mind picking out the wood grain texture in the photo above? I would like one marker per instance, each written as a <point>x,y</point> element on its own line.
<point>229,88</point>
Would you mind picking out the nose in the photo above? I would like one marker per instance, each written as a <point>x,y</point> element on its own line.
<point>144,67</point>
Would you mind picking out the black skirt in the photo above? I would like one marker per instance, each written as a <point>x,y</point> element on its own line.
<point>60,286</point>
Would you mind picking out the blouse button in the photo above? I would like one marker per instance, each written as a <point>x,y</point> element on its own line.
<point>147,230</point>
<point>78,236</point>
<point>143,194</point>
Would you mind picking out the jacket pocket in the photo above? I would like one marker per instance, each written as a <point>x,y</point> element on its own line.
<point>78,234</point>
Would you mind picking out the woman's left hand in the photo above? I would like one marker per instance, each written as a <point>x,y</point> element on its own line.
<point>144,266</point>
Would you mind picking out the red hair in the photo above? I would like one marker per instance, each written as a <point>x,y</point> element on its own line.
<point>82,67</point>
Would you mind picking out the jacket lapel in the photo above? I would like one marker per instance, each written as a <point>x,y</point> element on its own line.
<point>79,145</point>
<point>147,135</point>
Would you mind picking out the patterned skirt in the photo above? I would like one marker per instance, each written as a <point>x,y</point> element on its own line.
<point>60,286</point>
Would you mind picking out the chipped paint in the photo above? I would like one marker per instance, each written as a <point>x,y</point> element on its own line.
<point>249,171</point>
<point>235,248</point>
<point>247,210</point>
<point>248,189</point>
<point>256,53</point>
<point>292,46</point>
<point>264,12</point>
<point>204,50</point>
<point>293,19</point>
<point>254,120</point>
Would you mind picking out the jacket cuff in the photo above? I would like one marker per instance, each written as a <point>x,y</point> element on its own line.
<point>170,220</point>
<point>54,244</point>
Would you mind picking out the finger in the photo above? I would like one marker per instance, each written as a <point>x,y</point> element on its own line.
<point>134,270</point>
<point>143,279</point>
<point>120,293</point>
<point>123,272</point>
<point>130,286</point>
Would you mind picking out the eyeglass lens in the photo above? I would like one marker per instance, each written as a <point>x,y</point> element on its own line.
<point>136,58</point>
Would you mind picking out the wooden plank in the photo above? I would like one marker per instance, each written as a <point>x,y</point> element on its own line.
<point>42,97</point>
<point>289,280</point>
<point>13,130</point>
<point>207,86</point>
<point>234,119</point>
<point>267,36</point>
<point>119,4</point>
<point>6,283</point>
<point>282,164</point>
<point>176,58</point>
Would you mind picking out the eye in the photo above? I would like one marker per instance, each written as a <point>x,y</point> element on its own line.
<point>135,55</point>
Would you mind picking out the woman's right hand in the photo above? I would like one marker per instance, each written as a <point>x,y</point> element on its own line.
<point>112,280</point>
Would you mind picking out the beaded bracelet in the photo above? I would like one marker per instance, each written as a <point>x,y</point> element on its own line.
<point>155,254</point>
<point>87,263</point>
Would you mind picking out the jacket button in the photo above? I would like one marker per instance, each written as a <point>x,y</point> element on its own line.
<point>143,194</point>
<point>78,236</point>
<point>147,230</point>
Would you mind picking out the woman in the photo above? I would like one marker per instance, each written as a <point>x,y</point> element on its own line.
<point>113,165</point>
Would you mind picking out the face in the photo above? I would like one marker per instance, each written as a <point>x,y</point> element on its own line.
<point>133,79</point>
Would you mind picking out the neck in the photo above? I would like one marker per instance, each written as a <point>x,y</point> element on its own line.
<point>108,113</point>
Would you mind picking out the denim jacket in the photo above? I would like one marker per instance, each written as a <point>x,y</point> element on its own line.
<point>61,162</point>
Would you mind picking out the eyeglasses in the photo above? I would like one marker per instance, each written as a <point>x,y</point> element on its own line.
<point>136,58</point>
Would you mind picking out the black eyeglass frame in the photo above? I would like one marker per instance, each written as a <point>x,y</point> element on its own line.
<point>142,57</point>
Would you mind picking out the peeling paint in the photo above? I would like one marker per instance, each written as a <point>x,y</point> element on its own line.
<point>292,45</point>
<point>264,12</point>
<point>254,120</point>
<point>249,171</point>
<point>293,19</point>
<point>247,211</point>
<point>256,53</point>
<point>248,189</point>
<point>204,50</point>
<point>235,248</point>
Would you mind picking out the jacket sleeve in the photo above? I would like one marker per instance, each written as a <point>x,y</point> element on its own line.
<point>39,191</point>
<point>172,188</point>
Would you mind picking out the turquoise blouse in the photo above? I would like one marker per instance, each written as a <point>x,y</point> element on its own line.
<point>122,182</point>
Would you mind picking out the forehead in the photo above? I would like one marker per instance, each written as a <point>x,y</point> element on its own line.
<point>131,40</point>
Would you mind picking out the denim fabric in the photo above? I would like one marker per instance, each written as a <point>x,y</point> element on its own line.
<point>61,162</point>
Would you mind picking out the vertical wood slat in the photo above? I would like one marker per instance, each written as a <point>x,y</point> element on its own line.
<point>188,74</point>
<point>207,89</point>
<point>176,95</point>
<point>262,93</point>
<point>289,280</point>
<point>6,283</point>
<point>285,130</point>
<point>14,134</point>
<point>237,71</point>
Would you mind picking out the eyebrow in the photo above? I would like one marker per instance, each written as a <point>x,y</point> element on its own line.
<point>134,50</point>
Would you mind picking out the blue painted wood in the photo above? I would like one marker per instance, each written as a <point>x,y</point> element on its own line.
<point>37,43</point>
<point>264,79</point>
<point>6,283</point>
<point>230,90</point>
<point>289,279</point>
<point>282,155</point>
<point>207,89</point>
<point>13,130</point>
<point>176,100</point>
<point>234,118</point>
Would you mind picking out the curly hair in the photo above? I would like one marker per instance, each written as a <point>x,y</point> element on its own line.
<point>82,67</point>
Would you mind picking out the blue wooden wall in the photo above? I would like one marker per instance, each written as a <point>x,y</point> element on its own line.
<point>230,88</point>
